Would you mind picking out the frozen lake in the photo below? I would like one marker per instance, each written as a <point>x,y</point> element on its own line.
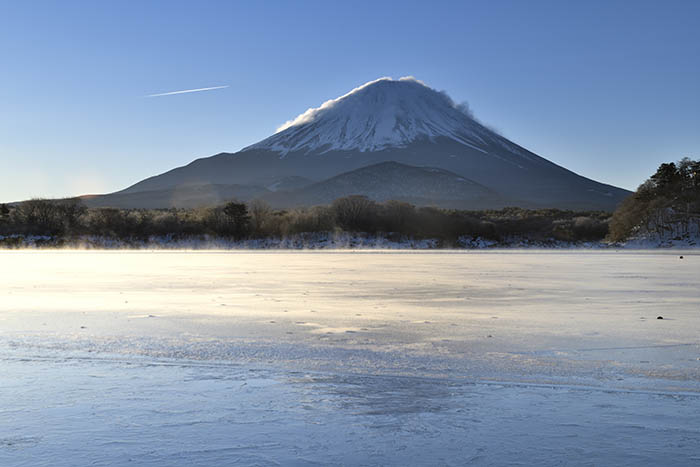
<point>349,358</point>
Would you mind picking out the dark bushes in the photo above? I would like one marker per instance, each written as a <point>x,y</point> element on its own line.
<point>43,217</point>
<point>237,220</point>
<point>355,213</point>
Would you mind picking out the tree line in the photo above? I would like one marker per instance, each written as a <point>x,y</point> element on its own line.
<point>666,205</point>
<point>70,219</point>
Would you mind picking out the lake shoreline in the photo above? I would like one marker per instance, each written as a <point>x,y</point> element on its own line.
<point>332,241</point>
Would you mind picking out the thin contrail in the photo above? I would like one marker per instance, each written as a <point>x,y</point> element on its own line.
<point>186,91</point>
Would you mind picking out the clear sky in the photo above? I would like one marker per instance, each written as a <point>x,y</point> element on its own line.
<point>608,89</point>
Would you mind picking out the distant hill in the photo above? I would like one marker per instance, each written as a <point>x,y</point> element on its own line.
<point>394,181</point>
<point>289,183</point>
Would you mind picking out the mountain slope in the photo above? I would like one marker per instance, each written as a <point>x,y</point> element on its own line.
<point>394,120</point>
<point>393,181</point>
<point>184,196</point>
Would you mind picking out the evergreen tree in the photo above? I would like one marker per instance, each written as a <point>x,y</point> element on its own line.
<point>668,202</point>
<point>238,217</point>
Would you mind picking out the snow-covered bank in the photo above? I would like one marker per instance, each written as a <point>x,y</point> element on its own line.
<point>335,241</point>
<point>676,236</point>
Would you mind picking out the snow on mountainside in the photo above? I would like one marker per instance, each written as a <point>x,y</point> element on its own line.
<point>381,114</point>
<point>386,120</point>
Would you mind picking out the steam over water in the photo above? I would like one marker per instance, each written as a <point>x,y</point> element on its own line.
<point>360,358</point>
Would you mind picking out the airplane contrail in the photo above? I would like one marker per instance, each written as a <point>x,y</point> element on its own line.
<point>186,91</point>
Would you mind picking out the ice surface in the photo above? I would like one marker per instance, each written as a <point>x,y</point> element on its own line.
<point>338,358</point>
<point>80,411</point>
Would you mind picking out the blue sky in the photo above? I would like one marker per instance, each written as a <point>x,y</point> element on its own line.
<point>608,89</point>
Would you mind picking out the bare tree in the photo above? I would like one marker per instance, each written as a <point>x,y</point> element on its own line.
<point>40,216</point>
<point>260,213</point>
<point>399,215</point>
<point>355,212</point>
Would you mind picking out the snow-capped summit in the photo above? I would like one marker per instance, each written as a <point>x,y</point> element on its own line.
<point>437,154</point>
<point>379,114</point>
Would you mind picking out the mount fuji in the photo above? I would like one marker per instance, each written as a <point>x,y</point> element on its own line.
<point>439,154</point>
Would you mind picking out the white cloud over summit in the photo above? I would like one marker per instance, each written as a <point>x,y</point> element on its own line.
<point>310,114</point>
